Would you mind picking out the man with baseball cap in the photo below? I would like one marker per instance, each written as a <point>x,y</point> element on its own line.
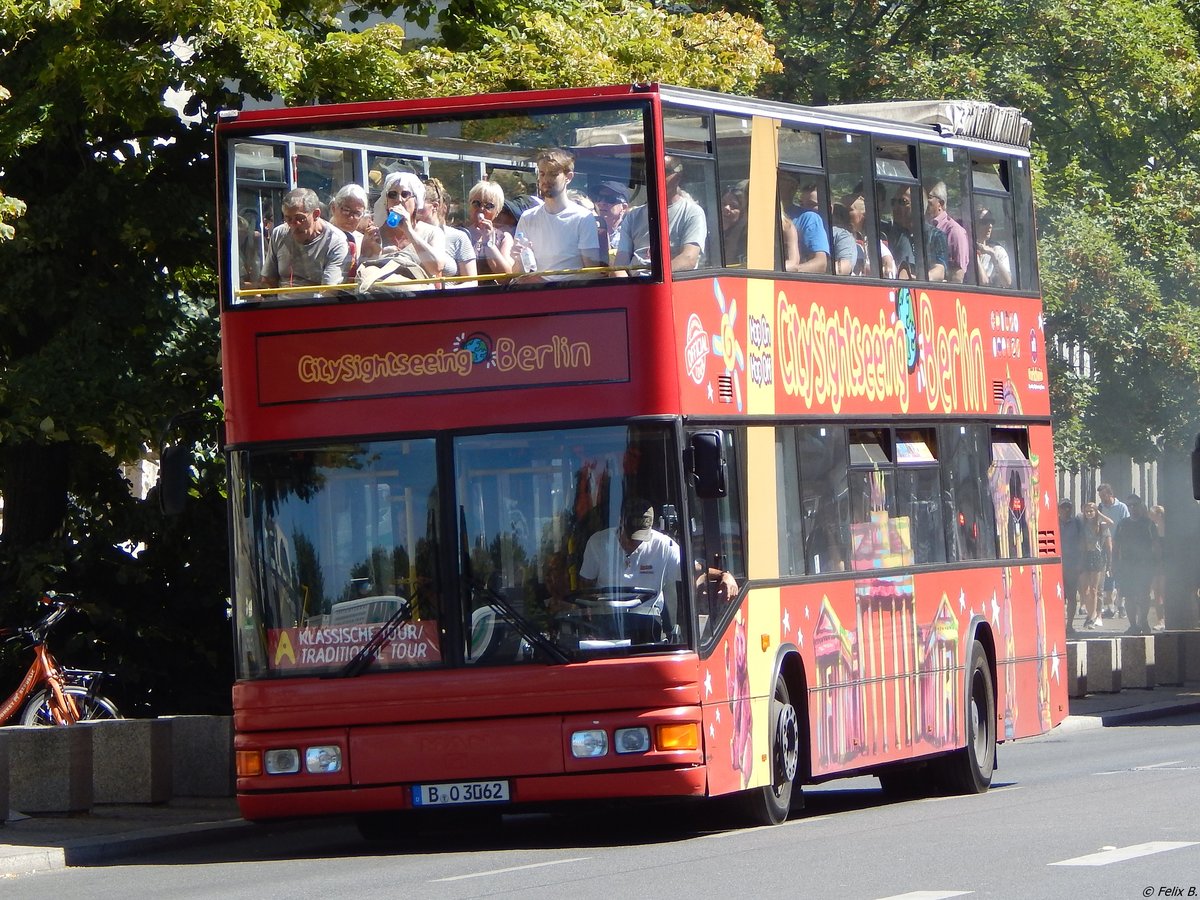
<point>634,555</point>
<point>612,201</point>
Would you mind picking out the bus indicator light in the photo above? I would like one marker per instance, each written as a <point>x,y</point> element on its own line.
<point>249,763</point>
<point>678,737</point>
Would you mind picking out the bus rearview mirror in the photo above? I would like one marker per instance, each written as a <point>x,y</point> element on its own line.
<point>706,465</point>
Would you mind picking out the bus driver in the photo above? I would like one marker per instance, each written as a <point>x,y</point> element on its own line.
<point>634,555</point>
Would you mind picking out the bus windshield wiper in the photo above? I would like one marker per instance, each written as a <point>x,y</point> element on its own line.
<point>363,659</point>
<point>527,629</point>
<point>504,609</point>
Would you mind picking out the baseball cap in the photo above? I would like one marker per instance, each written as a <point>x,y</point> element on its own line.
<point>637,518</point>
<point>615,188</point>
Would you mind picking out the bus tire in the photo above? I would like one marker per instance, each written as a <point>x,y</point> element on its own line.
<point>770,804</point>
<point>969,770</point>
<point>90,706</point>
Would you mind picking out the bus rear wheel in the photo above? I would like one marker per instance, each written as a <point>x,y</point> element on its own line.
<point>770,804</point>
<point>969,770</point>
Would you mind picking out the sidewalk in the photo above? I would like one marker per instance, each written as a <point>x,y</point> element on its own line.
<point>35,844</point>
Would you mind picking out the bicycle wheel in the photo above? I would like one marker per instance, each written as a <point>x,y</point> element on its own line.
<point>37,708</point>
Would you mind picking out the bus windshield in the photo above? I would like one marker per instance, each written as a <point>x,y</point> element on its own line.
<point>334,542</point>
<point>462,181</point>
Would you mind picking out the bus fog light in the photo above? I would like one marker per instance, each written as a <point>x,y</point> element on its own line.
<point>632,740</point>
<point>281,762</point>
<point>323,760</point>
<point>588,744</point>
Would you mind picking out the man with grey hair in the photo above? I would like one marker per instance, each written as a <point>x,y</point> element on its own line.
<point>958,244</point>
<point>305,249</point>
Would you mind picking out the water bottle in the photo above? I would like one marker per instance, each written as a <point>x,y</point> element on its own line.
<point>394,219</point>
<point>528,263</point>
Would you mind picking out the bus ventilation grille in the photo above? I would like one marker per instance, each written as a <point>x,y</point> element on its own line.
<point>1047,545</point>
<point>725,388</point>
<point>998,392</point>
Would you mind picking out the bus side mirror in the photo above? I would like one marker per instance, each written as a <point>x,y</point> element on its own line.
<point>706,465</point>
<point>1196,470</point>
<point>174,478</point>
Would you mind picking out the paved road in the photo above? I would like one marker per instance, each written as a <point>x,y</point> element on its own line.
<point>1107,812</point>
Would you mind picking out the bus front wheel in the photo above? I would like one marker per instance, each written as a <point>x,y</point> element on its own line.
<point>769,804</point>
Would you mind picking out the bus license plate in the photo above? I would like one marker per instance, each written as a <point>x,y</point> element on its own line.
<point>456,792</point>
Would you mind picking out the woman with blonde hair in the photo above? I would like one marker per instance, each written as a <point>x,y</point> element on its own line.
<point>493,246</point>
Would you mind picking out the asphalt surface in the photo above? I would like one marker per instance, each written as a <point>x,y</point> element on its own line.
<point>109,832</point>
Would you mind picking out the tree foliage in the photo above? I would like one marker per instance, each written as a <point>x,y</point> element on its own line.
<point>108,325</point>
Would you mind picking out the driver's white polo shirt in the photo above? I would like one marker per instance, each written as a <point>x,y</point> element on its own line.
<point>652,565</point>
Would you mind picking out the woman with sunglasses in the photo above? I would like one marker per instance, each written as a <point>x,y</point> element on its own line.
<point>418,245</point>
<point>493,246</point>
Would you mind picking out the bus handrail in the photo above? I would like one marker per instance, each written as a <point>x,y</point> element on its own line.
<point>353,287</point>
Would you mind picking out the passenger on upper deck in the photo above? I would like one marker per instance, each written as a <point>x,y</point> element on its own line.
<point>612,202</point>
<point>902,238</point>
<point>493,247</point>
<point>687,229</point>
<point>957,243</point>
<point>347,210</point>
<point>845,250</point>
<point>800,205</point>
<point>560,232</point>
<point>304,249</point>
<point>992,259</point>
<point>460,255</point>
<point>734,222</point>
<point>414,243</point>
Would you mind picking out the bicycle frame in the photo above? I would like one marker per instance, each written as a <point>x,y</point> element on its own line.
<point>44,668</point>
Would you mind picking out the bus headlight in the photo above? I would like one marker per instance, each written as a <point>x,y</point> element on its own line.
<point>281,762</point>
<point>589,744</point>
<point>323,760</point>
<point>632,740</point>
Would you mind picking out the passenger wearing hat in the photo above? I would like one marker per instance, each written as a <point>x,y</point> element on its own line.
<point>687,229</point>
<point>612,201</point>
<point>634,555</point>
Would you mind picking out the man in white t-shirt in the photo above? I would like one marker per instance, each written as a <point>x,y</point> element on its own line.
<point>634,555</point>
<point>560,232</point>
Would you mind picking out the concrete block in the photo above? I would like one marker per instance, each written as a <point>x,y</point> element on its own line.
<point>50,768</point>
<point>1103,665</point>
<point>202,756</point>
<point>4,807</point>
<point>1076,668</point>
<point>1168,657</point>
<point>1137,661</point>
<point>131,760</point>
<point>1191,655</point>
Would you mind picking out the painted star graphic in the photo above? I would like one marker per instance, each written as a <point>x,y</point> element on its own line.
<point>710,392</point>
<point>718,716</point>
<point>995,610</point>
<point>708,684</point>
<point>962,600</point>
<point>787,622</point>
<point>806,616</point>
<point>1054,664</point>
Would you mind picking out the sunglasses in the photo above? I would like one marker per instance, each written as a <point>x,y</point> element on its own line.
<point>483,204</point>
<point>609,199</point>
<point>402,195</point>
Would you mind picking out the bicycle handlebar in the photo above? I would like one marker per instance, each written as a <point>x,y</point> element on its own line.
<point>62,603</point>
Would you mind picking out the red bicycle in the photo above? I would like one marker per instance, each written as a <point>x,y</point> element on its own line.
<point>50,694</point>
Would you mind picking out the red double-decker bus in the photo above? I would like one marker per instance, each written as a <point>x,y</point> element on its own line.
<point>749,489</point>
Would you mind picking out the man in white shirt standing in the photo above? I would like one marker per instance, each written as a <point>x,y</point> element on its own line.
<point>561,233</point>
